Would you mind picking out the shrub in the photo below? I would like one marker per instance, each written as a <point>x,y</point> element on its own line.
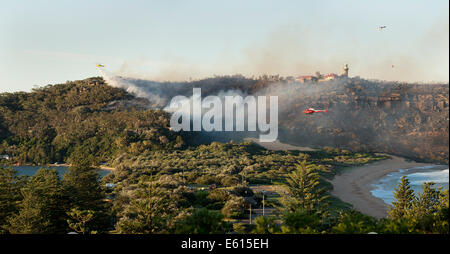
<point>235,207</point>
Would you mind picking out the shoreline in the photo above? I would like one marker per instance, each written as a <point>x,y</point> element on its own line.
<point>103,167</point>
<point>278,146</point>
<point>354,185</point>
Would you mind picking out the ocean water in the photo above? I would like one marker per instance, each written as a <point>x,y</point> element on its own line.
<point>417,176</point>
<point>31,170</point>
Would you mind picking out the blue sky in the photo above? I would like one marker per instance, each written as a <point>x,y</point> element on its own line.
<point>47,42</point>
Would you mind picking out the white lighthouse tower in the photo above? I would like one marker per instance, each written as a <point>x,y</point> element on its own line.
<point>345,74</point>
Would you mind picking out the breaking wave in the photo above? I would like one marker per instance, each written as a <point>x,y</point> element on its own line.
<point>417,176</point>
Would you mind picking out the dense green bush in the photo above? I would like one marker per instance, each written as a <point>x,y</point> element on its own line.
<point>235,208</point>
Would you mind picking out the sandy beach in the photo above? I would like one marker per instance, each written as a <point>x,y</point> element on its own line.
<point>354,184</point>
<point>278,146</point>
<point>103,167</point>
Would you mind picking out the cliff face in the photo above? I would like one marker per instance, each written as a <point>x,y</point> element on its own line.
<point>411,120</point>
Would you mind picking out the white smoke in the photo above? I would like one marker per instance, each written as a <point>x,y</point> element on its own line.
<point>130,87</point>
<point>178,98</point>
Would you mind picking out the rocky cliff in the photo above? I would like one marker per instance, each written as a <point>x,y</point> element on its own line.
<point>411,120</point>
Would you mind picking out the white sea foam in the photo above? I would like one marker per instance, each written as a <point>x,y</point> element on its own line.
<point>417,176</point>
<point>433,176</point>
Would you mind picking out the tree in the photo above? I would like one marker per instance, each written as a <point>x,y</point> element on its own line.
<point>404,197</point>
<point>10,185</point>
<point>402,225</point>
<point>427,202</point>
<point>428,213</point>
<point>426,210</point>
<point>151,210</point>
<point>301,222</point>
<point>239,228</point>
<point>442,217</point>
<point>235,207</point>
<point>265,225</point>
<point>354,222</point>
<point>444,199</point>
<point>42,207</point>
<point>29,219</point>
<point>82,186</point>
<point>79,220</point>
<point>203,221</point>
<point>84,192</point>
<point>304,192</point>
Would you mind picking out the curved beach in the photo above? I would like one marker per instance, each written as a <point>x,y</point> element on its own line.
<point>354,185</point>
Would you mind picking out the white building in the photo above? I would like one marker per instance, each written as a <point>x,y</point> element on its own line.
<point>5,156</point>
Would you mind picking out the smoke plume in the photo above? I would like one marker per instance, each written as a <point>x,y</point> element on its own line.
<point>367,115</point>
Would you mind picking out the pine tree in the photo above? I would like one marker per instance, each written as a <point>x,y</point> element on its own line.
<point>304,193</point>
<point>444,199</point>
<point>79,221</point>
<point>443,215</point>
<point>82,186</point>
<point>404,197</point>
<point>84,192</point>
<point>42,209</point>
<point>427,202</point>
<point>29,219</point>
<point>10,185</point>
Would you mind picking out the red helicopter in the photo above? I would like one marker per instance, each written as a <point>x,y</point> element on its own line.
<point>312,111</point>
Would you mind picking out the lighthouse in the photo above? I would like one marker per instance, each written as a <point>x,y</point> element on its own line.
<point>345,74</point>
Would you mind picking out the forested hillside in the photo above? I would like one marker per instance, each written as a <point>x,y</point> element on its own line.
<point>88,117</point>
